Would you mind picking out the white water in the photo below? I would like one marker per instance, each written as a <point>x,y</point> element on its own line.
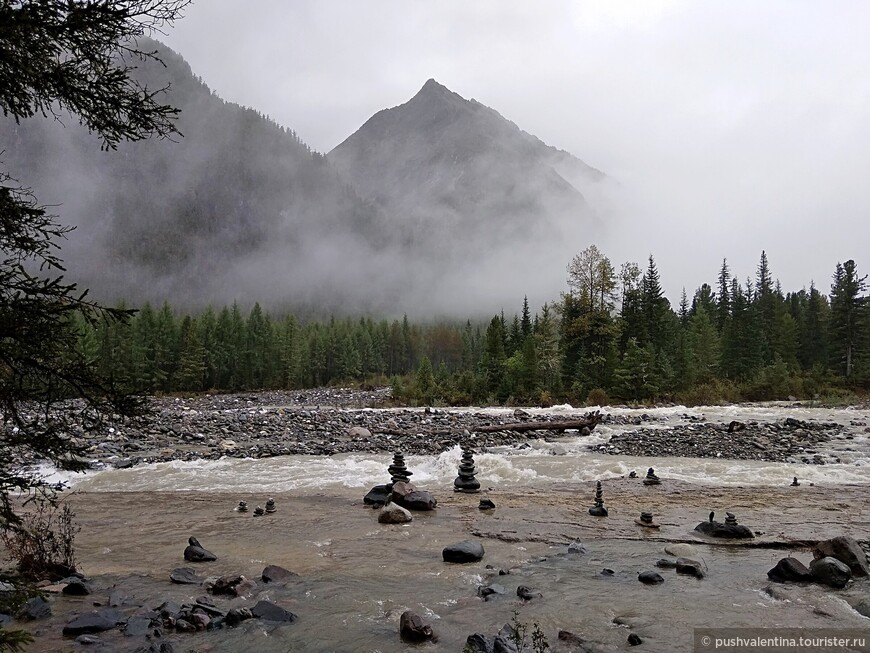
<point>536,464</point>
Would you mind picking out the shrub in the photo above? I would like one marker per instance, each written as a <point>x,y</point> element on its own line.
<point>42,545</point>
<point>597,397</point>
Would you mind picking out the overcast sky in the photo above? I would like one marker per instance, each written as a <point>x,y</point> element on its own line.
<point>731,126</point>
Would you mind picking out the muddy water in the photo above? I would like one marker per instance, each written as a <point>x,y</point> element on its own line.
<point>357,576</point>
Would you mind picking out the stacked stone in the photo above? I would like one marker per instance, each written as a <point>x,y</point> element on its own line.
<point>598,510</point>
<point>398,472</point>
<point>270,505</point>
<point>466,482</point>
<point>243,506</point>
<point>795,482</point>
<point>730,519</point>
<point>259,512</point>
<point>651,478</point>
<point>646,520</point>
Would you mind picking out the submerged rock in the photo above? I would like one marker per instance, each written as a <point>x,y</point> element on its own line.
<point>650,578</point>
<point>268,611</point>
<point>393,513</point>
<point>413,629</point>
<point>94,622</point>
<point>276,574</point>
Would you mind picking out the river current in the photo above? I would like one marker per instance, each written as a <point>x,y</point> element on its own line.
<point>358,576</point>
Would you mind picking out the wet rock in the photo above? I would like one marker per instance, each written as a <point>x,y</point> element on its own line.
<point>378,495</point>
<point>236,616</point>
<point>94,622</point>
<point>575,548</point>
<point>393,513</point>
<point>846,550</point>
<point>830,571</point>
<point>790,570</point>
<point>650,578</point>
<point>88,640</point>
<point>462,552</point>
<point>276,574</point>
<point>479,643</point>
<point>138,626</point>
<point>690,567</point>
<point>862,607</point>
<point>184,576</point>
<point>634,640</point>
<point>486,504</point>
<point>227,585</point>
<point>34,608</point>
<point>724,531</point>
<point>664,563</point>
<point>487,591</point>
<point>527,593</point>
<point>196,553</point>
<point>413,629</point>
<point>268,611</point>
<point>681,550</point>
<point>419,500</point>
<point>75,587</point>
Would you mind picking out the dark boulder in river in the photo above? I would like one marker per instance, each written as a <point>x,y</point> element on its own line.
<point>724,531</point>
<point>413,629</point>
<point>790,570</point>
<point>461,552</point>
<point>830,571</point>
<point>196,553</point>
<point>846,550</point>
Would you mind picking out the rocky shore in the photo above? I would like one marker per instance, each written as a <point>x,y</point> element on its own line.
<point>330,421</point>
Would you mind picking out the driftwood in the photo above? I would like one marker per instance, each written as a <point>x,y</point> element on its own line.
<point>589,419</point>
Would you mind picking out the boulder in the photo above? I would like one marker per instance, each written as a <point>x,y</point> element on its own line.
<point>419,500</point>
<point>681,550</point>
<point>664,563</point>
<point>377,496</point>
<point>401,489</point>
<point>196,553</point>
<point>138,626</point>
<point>634,640</point>
<point>830,571</point>
<point>650,578</point>
<point>276,574</point>
<point>75,587</point>
<point>359,433</point>
<point>690,567</point>
<point>486,504</point>
<point>268,611</point>
<point>487,591</point>
<point>461,552</point>
<point>790,570</point>
<point>184,576</point>
<point>94,622</point>
<point>724,531</point>
<point>846,550</point>
<point>479,643</point>
<point>393,513</point>
<point>862,607</point>
<point>413,629</point>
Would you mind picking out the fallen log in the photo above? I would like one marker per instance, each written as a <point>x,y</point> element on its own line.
<point>589,420</point>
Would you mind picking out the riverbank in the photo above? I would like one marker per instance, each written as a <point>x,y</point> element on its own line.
<point>356,577</point>
<point>328,422</point>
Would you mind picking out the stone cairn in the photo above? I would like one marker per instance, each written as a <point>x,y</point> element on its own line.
<point>243,506</point>
<point>259,512</point>
<point>651,478</point>
<point>795,482</point>
<point>598,510</point>
<point>730,519</point>
<point>646,520</point>
<point>466,482</point>
<point>270,505</point>
<point>398,472</point>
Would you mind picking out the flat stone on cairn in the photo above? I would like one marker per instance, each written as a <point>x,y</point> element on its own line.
<point>729,530</point>
<point>466,482</point>
<point>651,478</point>
<point>243,506</point>
<point>646,520</point>
<point>270,505</point>
<point>598,510</point>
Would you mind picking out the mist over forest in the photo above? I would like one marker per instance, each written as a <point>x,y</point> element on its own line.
<point>437,207</point>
